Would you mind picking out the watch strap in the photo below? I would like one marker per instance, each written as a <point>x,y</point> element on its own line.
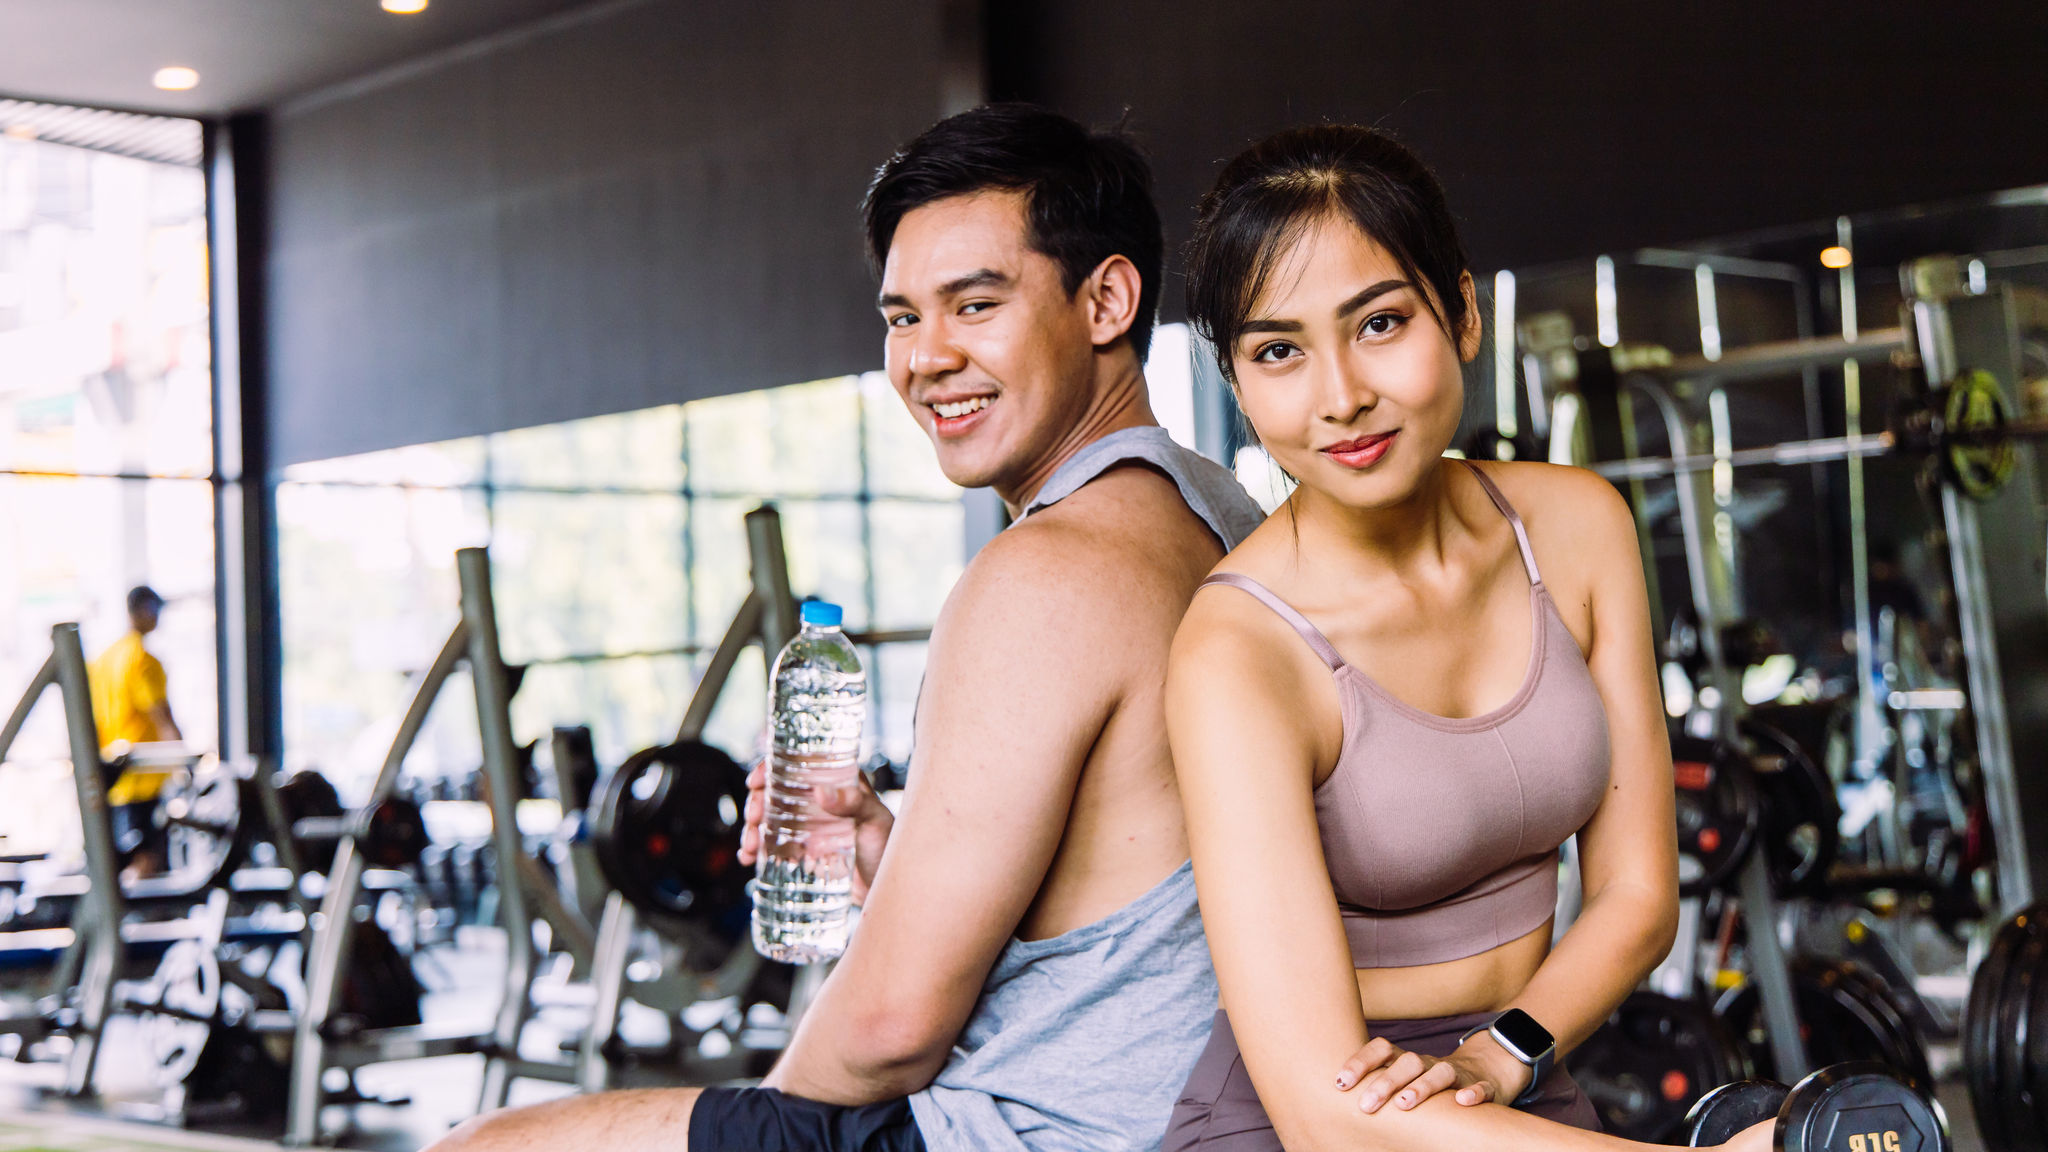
<point>1539,1066</point>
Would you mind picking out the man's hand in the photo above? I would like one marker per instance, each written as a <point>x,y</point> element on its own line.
<point>872,821</point>
<point>1381,1070</point>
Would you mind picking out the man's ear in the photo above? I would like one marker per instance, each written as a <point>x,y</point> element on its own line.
<point>1111,293</point>
<point>1469,331</point>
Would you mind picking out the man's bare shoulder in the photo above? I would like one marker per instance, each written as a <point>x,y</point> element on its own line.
<point>1122,551</point>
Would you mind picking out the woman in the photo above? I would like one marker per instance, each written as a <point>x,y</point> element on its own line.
<point>1396,699</point>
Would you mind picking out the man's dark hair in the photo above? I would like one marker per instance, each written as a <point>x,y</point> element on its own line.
<point>1090,193</point>
<point>143,596</point>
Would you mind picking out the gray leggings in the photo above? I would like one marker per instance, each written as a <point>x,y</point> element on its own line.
<point>1218,1111</point>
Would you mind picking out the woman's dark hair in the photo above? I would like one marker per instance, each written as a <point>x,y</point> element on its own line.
<point>1279,187</point>
<point>1089,193</point>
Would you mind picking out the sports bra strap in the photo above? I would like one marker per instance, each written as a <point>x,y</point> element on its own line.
<point>1264,595</point>
<point>1508,510</point>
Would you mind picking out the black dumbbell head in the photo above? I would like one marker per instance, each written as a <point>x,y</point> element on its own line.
<point>1732,1108</point>
<point>1859,1108</point>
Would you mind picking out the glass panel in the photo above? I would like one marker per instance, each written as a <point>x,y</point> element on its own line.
<point>828,555</point>
<point>917,557</point>
<point>719,575</point>
<point>587,574</point>
<point>445,464</point>
<point>104,345</point>
<point>900,457</point>
<point>76,546</point>
<point>368,592</point>
<point>801,440</point>
<point>738,721</point>
<point>629,703</point>
<point>641,449</point>
<point>822,540</point>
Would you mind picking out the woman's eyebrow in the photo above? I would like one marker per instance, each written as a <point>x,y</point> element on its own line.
<point>1368,295</point>
<point>1357,301</point>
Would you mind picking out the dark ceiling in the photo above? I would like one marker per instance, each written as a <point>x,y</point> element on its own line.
<point>249,53</point>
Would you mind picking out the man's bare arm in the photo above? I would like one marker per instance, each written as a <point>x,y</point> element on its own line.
<point>1020,679</point>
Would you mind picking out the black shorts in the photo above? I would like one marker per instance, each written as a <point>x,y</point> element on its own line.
<point>766,1120</point>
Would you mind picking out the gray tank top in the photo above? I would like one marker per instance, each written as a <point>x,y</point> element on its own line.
<point>1083,1041</point>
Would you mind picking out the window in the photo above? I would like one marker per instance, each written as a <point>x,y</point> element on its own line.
<point>106,399</point>
<point>618,556</point>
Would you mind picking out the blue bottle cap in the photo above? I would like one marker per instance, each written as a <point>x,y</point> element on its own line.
<point>822,614</point>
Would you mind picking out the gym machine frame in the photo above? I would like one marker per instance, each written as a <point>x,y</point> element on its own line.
<point>1959,339</point>
<point>93,959</point>
<point>767,617</point>
<point>317,1045</point>
<point>1954,335</point>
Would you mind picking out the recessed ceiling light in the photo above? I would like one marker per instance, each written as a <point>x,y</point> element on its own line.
<point>404,7</point>
<point>176,79</point>
<point>21,132</point>
<point>1836,257</point>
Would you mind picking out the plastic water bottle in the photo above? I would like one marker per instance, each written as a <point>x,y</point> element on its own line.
<point>803,884</point>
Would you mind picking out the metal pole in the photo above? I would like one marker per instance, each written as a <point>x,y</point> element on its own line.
<point>103,903</point>
<point>771,578</point>
<point>494,720</point>
<point>1770,969</point>
<point>1783,357</point>
<point>44,677</point>
<point>335,923</point>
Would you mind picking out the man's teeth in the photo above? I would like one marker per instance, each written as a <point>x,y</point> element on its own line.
<point>961,408</point>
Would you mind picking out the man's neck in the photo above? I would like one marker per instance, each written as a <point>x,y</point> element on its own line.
<point>1117,402</point>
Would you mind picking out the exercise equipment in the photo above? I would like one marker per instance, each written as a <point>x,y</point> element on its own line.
<point>1718,811</point>
<point>665,827</point>
<point>700,960</point>
<point>1849,1107</point>
<point>326,1035</point>
<point>1845,1014</point>
<point>2005,1036</point>
<point>1645,1067</point>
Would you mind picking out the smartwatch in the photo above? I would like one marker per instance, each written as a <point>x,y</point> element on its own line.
<point>1525,1040</point>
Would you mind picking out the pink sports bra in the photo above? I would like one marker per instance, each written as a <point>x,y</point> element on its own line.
<point>1441,834</point>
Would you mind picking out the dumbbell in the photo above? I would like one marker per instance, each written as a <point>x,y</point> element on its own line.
<point>1857,1107</point>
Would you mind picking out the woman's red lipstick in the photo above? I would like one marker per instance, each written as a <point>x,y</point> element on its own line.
<point>1363,452</point>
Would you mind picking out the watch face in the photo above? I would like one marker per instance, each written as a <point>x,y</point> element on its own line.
<point>1522,1033</point>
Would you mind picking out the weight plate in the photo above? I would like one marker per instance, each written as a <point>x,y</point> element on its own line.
<point>666,831</point>
<point>1858,1107</point>
<point>394,835</point>
<point>305,795</point>
<point>201,814</point>
<point>1718,813</point>
<point>186,981</point>
<point>2014,1017</point>
<point>1800,824</point>
<point>1838,1021</point>
<point>1732,1108</point>
<point>1650,1062</point>
<point>2034,1063</point>
<point>1902,1047</point>
<point>1981,1047</point>
<point>1974,456</point>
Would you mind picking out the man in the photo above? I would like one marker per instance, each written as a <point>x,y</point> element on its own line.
<point>130,706</point>
<point>1029,971</point>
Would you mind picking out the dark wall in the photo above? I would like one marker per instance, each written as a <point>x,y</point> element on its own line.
<point>1565,129</point>
<point>648,205</point>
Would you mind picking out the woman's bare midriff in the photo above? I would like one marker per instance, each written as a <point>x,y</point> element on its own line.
<point>1482,983</point>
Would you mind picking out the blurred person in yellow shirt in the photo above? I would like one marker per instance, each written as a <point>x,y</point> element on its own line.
<point>129,707</point>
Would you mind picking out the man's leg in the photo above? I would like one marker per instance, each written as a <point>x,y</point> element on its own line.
<point>631,1120</point>
<point>659,1120</point>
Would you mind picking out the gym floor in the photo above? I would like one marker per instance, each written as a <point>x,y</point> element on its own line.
<point>432,1095</point>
